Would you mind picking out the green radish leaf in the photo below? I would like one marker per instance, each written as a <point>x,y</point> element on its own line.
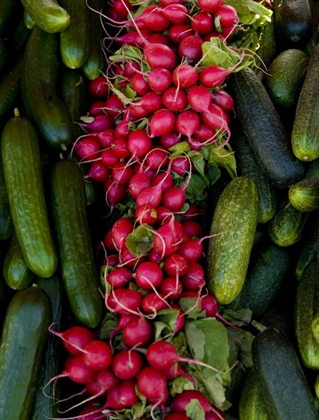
<point>196,191</point>
<point>195,411</point>
<point>107,326</point>
<point>179,149</point>
<point>140,241</point>
<point>180,384</point>
<point>240,343</point>
<point>165,322</point>
<point>249,11</point>
<point>216,53</point>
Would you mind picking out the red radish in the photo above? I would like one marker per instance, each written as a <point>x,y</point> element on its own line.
<point>134,38</point>
<point>154,302</point>
<point>174,199</point>
<point>191,250</point>
<point>150,196</point>
<point>176,416</point>
<point>148,275</point>
<point>193,228</point>
<point>154,19</point>
<point>153,256</point>
<point>113,105</point>
<point>223,100</point>
<point>91,413</point>
<point>216,119</point>
<point>151,102</point>
<point>119,277</point>
<point>193,212</point>
<point>163,214</point>
<point>138,183</point>
<point>122,173</point>
<point>175,99</point>
<point>175,13</point>
<point>98,172</point>
<point>205,133</point>
<point>179,31</point>
<point>167,238</point>
<point>135,112</point>
<point>171,288</point>
<point>202,23</point>
<point>181,401</point>
<point>97,355</point>
<point>108,158</point>
<point>103,382</point>
<point>152,383</point>
<point>199,98</point>
<point>120,148</point>
<point>165,179</point>
<point>226,15</point>
<point>122,7</point>
<point>126,364</point>
<point>123,320</point>
<point>156,159</point>
<point>121,228</point>
<point>96,108</point>
<point>209,304</point>
<point>158,38</point>
<point>99,123</point>
<point>76,370</point>
<point>145,214</point>
<point>187,122</point>
<point>162,122</point>
<point>185,76</point>
<point>180,320</point>
<point>75,338</point>
<point>168,2</point>
<point>114,192</point>
<point>137,332</point>
<point>159,79</point>
<point>122,396</point>
<point>131,68</point>
<point>175,265</point>
<point>106,137</point>
<point>210,6</point>
<point>139,84</point>
<point>194,278</point>
<point>122,129</point>
<point>212,76</point>
<point>122,300</point>
<point>181,165</point>
<point>160,56</point>
<point>99,87</point>
<point>128,259</point>
<point>169,140</point>
<point>111,260</point>
<point>88,148</point>
<point>139,143</point>
<point>190,48</point>
<point>108,240</point>
<point>215,414</point>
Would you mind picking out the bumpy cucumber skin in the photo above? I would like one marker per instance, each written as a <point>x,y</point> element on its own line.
<point>22,346</point>
<point>264,129</point>
<point>78,269</point>
<point>304,196</point>
<point>305,130</point>
<point>306,307</point>
<point>233,229</point>
<point>47,14</point>
<point>251,400</point>
<point>281,378</point>
<point>287,225</point>
<point>16,273</point>
<point>39,93</point>
<point>23,178</point>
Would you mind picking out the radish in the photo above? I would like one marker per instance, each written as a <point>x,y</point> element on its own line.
<point>119,277</point>
<point>137,332</point>
<point>154,302</point>
<point>167,238</point>
<point>210,6</point>
<point>176,416</point>
<point>223,100</point>
<point>191,250</point>
<point>181,165</point>
<point>181,401</point>
<point>122,396</point>
<point>185,76</point>
<point>99,87</point>
<point>76,370</point>
<point>160,56</point>
<point>159,79</point>
<point>148,275</point>
<point>226,16</point>
<point>99,123</point>
<point>122,173</point>
<point>75,338</point>
<point>120,148</point>
<point>134,38</point>
<point>175,99</point>
<point>190,48</point>
<point>88,148</point>
<point>106,137</point>
<point>126,364</point>
<point>156,159</point>
<point>123,320</point>
<point>212,76</point>
<point>96,108</point>
<point>139,84</point>
<point>122,300</point>
<point>158,38</point>
<point>169,140</point>
<point>171,288</point>
<point>139,143</point>
<point>194,278</point>
<point>130,69</point>
<point>122,7</point>
<point>138,183</point>
<point>199,98</point>
<point>174,199</point>
<point>145,214</point>
<point>187,122</point>
<point>103,382</point>
<point>175,13</point>
<point>97,355</point>
<point>202,23</point>
<point>175,265</point>
<point>151,102</point>
<point>176,370</point>
<point>98,172</point>
<point>162,122</point>
<point>179,31</point>
<point>108,158</point>
<point>193,228</point>
<point>114,192</point>
<point>113,106</point>
<point>152,383</point>
<point>121,228</point>
<point>216,119</point>
<point>153,18</point>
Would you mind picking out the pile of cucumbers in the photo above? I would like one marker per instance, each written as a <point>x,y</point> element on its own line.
<point>266,262</point>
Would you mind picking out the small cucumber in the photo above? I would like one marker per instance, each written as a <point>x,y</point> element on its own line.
<point>304,195</point>
<point>292,20</point>
<point>79,273</point>
<point>285,389</point>
<point>264,129</point>
<point>39,90</point>
<point>95,63</point>
<point>43,407</point>
<point>23,178</point>
<point>74,41</point>
<point>287,225</point>
<point>47,14</point>
<point>232,235</point>
<point>16,273</point>
<point>22,346</point>
<point>285,76</point>
<point>305,133</point>
<point>10,87</point>
<point>306,307</point>
<point>6,225</point>
<point>251,402</point>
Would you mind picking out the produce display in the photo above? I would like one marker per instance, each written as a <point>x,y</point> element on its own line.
<point>159,199</point>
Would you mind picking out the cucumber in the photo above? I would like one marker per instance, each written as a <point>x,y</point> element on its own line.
<point>308,247</point>
<point>232,235</point>
<point>266,277</point>
<point>74,41</point>
<point>47,14</point>
<point>285,76</point>
<point>10,87</point>
<point>264,129</point>
<point>23,178</point>
<point>7,9</point>
<point>251,402</point>
<point>22,347</point>
<point>16,273</point>
<point>304,195</point>
<point>306,307</point>
<point>19,39</point>
<point>284,386</point>
<point>267,50</point>
<point>28,21</point>
<point>43,407</point>
<point>95,63</point>
<point>6,225</point>
<point>248,166</point>
<point>79,273</point>
<point>305,133</point>
<point>287,225</point>
<point>39,90</point>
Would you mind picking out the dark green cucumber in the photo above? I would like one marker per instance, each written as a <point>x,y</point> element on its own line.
<point>281,378</point>
<point>74,41</point>
<point>233,230</point>
<point>23,178</point>
<point>10,87</point>
<point>287,225</point>
<point>22,347</point>
<point>308,247</point>
<point>304,195</point>
<point>292,20</point>
<point>16,273</point>
<point>267,50</point>
<point>251,402</point>
<point>95,63</point>
<point>248,166</point>
<point>78,268</point>
<point>264,129</point>
<point>305,130</point>
<point>6,225</point>
<point>306,307</point>
<point>7,8</point>
<point>266,277</point>
<point>285,76</point>
<point>47,14</point>
<point>19,39</point>
<point>43,407</point>
<point>39,90</point>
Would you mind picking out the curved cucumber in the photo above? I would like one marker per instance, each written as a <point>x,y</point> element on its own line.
<point>232,235</point>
